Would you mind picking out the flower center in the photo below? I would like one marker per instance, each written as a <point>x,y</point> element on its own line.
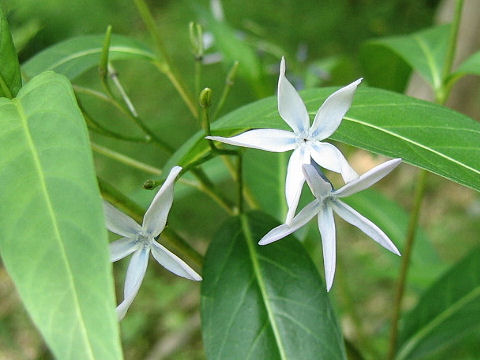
<point>143,239</point>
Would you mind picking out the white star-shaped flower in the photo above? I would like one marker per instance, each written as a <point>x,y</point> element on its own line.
<point>326,202</point>
<point>305,140</point>
<point>140,240</point>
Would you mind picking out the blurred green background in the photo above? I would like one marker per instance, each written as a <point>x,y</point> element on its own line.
<point>321,41</point>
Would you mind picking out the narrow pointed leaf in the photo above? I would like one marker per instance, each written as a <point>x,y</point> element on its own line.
<point>74,56</point>
<point>264,302</point>
<point>469,66</point>
<point>10,78</point>
<point>423,134</point>
<point>53,239</point>
<point>446,313</point>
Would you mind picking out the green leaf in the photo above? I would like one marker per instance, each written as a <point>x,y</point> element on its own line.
<point>53,239</point>
<point>425,51</point>
<point>10,77</point>
<point>469,66</point>
<point>264,302</point>
<point>446,313</point>
<point>423,134</point>
<point>74,56</point>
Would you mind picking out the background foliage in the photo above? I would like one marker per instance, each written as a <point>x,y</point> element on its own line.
<point>324,48</point>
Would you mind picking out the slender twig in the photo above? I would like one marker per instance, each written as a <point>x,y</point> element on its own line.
<point>229,82</point>
<point>240,182</point>
<point>442,93</point>
<point>112,195</point>
<point>441,96</point>
<point>99,128</point>
<point>165,66</point>
<point>125,159</point>
<point>412,228</point>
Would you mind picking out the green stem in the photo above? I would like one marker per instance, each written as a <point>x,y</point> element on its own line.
<point>240,182</point>
<point>99,95</point>
<point>99,128</point>
<point>442,93</point>
<point>410,238</point>
<point>167,66</point>
<point>452,41</point>
<point>134,210</point>
<point>125,159</point>
<point>229,82</point>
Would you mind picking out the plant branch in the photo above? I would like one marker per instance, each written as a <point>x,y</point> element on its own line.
<point>166,66</point>
<point>410,238</point>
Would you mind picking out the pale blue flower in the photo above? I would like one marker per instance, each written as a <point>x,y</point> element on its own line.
<point>326,202</point>
<point>305,140</point>
<point>140,240</point>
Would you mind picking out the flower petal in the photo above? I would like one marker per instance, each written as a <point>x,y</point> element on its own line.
<point>118,222</point>
<point>368,179</point>
<point>326,225</point>
<point>303,217</point>
<point>264,139</point>
<point>156,216</point>
<point>122,247</point>
<point>135,274</point>
<point>290,104</point>
<point>319,187</point>
<point>353,217</point>
<point>328,156</point>
<point>295,179</point>
<point>173,263</point>
<point>330,114</point>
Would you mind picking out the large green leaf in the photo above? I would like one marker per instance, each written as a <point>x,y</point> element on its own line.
<point>74,56</point>
<point>264,302</point>
<point>425,51</point>
<point>53,239</point>
<point>446,313</point>
<point>10,78</point>
<point>426,135</point>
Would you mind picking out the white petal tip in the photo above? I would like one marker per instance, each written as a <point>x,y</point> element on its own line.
<point>196,277</point>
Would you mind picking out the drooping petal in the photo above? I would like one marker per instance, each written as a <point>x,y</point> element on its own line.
<point>135,274</point>
<point>156,216</point>
<point>326,225</point>
<point>295,179</point>
<point>118,222</point>
<point>122,247</point>
<point>368,179</point>
<point>319,187</point>
<point>332,111</point>
<point>264,139</point>
<point>290,104</point>
<point>328,156</point>
<point>353,217</point>
<point>173,263</point>
<point>303,217</point>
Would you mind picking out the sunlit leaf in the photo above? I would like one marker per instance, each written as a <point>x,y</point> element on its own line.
<point>264,302</point>
<point>469,66</point>
<point>53,239</point>
<point>423,134</point>
<point>10,78</point>
<point>447,312</point>
<point>425,51</point>
<point>74,56</point>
